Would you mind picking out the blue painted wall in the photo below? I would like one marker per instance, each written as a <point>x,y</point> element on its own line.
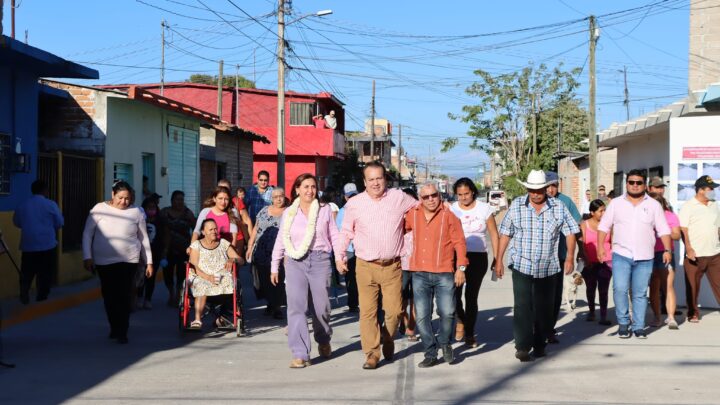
<point>19,93</point>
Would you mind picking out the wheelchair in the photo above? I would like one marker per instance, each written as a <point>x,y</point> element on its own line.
<point>224,307</point>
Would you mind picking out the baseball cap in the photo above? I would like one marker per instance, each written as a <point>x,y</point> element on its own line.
<point>705,181</point>
<point>657,182</point>
<point>552,177</point>
<point>350,189</point>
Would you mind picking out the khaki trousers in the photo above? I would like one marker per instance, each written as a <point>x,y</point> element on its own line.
<point>373,279</point>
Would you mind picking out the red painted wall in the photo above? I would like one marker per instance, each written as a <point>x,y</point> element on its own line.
<point>294,166</point>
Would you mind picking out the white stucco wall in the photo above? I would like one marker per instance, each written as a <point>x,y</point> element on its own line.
<point>644,152</point>
<point>134,128</point>
<point>703,132</point>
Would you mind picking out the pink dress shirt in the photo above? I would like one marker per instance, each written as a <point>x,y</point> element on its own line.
<point>376,226</point>
<point>327,237</point>
<point>634,227</point>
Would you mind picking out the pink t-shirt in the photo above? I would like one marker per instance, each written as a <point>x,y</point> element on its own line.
<point>672,221</point>
<point>590,246</point>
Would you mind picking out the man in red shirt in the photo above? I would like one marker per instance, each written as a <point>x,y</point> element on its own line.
<point>438,237</point>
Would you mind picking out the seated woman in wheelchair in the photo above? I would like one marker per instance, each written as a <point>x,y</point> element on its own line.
<point>212,259</point>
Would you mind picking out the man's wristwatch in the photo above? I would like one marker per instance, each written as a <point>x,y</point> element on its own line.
<point>462,268</point>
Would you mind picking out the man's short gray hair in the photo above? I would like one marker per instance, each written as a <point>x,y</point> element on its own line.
<point>428,184</point>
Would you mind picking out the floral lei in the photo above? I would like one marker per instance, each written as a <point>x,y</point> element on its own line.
<point>297,254</point>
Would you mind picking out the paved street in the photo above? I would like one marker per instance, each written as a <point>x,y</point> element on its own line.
<point>66,357</point>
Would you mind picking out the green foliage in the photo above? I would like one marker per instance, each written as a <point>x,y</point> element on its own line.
<point>228,81</point>
<point>510,105</point>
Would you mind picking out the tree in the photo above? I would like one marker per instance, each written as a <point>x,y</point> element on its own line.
<point>515,106</point>
<point>228,81</point>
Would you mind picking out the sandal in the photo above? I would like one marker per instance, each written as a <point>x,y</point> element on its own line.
<point>411,336</point>
<point>196,324</point>
<point>694,319</point>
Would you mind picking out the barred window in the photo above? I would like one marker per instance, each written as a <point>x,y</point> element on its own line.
<point>5,163</point>
<point>301,113</point>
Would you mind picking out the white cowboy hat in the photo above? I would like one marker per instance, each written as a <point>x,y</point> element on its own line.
<point>536,180</point>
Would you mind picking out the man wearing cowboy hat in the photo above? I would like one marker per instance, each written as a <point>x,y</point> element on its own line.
<point>532,228</point>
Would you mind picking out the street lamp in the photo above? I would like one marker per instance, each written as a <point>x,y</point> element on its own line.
<point>281,86</point>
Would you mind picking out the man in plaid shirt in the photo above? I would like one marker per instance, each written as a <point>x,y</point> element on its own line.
<point>532,228</point>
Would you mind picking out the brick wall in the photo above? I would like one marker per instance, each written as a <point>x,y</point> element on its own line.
<point>71,124</point>
<point>236,153</point>
<point>704,49</point>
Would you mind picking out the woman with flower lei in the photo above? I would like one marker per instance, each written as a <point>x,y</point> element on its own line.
<point>308,236</point>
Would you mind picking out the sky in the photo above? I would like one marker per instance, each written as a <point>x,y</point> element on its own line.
<point>421,54</point>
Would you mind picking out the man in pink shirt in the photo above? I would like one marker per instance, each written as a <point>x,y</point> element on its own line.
<point>634,218</point>
<point>374,221</point>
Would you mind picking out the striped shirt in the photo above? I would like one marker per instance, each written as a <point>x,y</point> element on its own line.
<point>534,245</point>
<point>376,225</point>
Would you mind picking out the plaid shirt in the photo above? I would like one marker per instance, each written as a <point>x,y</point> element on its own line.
<point>534,245</point>
<point>255,201</point>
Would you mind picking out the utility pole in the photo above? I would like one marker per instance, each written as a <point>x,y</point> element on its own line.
<point>281,95</point>
<point>592,130</point>
<point>400,154</point>
<point>534,121</point>
<point>220,89</point>
<point>12,19</point>
<point>254,78</point>
<point>237,95</point>
<point>627,95</point>
<point>162,58</point>
<point>372,123</point>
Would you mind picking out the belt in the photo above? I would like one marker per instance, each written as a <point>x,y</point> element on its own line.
<point>387,262</point>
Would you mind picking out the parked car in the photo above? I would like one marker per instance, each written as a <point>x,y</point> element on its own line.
<point>497,200</point>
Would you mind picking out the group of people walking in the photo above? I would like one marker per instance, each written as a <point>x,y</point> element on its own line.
<point>404,252</point>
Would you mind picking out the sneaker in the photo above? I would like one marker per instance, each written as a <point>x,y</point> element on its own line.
<point>624,332</point>
<point>640,334</point>
<point>448,354</point>
<point>672,324</point>
<point>538,353</point>
<point>428,362</point>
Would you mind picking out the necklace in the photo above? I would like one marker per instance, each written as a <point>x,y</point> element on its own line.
<point>297,254</point>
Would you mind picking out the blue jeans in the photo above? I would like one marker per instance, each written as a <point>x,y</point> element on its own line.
<point>442,286</point>
<point>629,275</point>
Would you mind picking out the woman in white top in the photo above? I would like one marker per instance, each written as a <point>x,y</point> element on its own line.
<point>477,220</point>
<point>114,240</point>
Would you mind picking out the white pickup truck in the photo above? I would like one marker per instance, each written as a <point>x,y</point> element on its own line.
<point>497,200</point>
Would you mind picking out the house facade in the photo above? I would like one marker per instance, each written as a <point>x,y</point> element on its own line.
<point>309,147</point>
<point>21,66</point>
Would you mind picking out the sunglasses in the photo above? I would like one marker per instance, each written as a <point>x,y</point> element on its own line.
<point>429,196</point>
<point>635,182</point>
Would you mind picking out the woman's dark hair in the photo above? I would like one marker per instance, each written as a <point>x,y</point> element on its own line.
<point>411,192</point>
<point>663,202</point>
<point>298,181</point>
<point>466,182</point>
<point>611,194</point>
<point>177,193</point>
<point>210,202</point>
<point>205,221</point>
<point>122,185</point>
<point>596,205</point>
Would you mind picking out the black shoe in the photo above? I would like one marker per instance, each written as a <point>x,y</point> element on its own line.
<point>523,356</point>
<point>24,299</point>
<point>553,340</point>
<point>448,354</point>
<point>605,322</point>
<point>122,340</point>
<point>268,311</point>
<point>537,353</point>
<point>428,362</point>
<point>640,334</point>
<point>624,332</point>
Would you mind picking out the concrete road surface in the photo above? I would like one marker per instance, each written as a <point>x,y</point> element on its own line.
<point>67,358</point>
